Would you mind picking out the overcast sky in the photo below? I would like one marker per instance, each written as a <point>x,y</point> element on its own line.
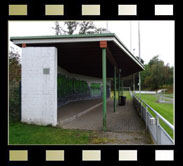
<point>157,37</point>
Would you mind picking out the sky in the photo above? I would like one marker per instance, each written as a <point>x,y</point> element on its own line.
<point>156,37</point>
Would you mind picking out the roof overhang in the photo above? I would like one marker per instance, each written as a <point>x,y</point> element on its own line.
<point>81,54</point>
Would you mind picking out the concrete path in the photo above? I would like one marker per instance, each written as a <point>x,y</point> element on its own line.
<point>125,119</point>
<point>70,110</point>
<point>124,125</point>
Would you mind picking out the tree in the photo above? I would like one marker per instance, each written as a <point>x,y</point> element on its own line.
<point>100,30</point>
<point>144,75</point>
<point>57,28</point>
<point>14,86</point>
<point>71,27</point>
<point>87,27</point>
<point>155,60</point>
<point>156,74</point>
<point>14,66</point>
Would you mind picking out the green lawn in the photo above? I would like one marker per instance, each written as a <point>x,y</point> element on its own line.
<point>165,109</point>
<point>21,133</point>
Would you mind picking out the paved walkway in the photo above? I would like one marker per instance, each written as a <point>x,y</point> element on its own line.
<point>125,119</point>
<point>124,125</point>
<point>75,108</point>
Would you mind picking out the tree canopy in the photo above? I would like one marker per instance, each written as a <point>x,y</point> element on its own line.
<point>14,66</point>
<point>14,86</point>
<point>75,27</point>
<point>155,76</point>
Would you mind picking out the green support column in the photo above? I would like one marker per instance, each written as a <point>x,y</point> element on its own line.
<point>118,87</point>
<point>122,87</point>
<point>114,88</point>
<point>104,86</point>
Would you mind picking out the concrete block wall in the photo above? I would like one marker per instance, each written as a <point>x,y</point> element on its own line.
<point>88,79</point>
<point>39,88</point>
<point>85,96</point>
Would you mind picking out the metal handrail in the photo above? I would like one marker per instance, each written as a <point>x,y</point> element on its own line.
<point>157,114</point>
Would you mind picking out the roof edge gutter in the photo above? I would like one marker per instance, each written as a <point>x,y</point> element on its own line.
<point>123,47</point>
<point>62,36</point>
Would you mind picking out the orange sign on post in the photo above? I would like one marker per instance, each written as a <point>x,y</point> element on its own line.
<point>103,44</point>
<point>23,45</point>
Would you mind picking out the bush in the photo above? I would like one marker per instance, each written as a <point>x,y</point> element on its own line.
<point>14,79</point>
<point>14,103</point>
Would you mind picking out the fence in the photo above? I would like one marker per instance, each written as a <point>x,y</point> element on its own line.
<point>158,133</point>
<point>146,92</point>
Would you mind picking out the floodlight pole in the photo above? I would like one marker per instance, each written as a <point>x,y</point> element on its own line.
<point>107,26</point>
<point>134,82</point>
<point>139,59</point>
<point>130,36</point>
<point>134,74</point>
<point>133,53</point>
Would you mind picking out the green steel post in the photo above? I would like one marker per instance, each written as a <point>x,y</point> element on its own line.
<point>118,88</point>
<point>104,86</point>
<point>115,89</point>
<point>121,87</point>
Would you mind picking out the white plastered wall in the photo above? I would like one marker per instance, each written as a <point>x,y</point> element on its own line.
<point>39,90</point>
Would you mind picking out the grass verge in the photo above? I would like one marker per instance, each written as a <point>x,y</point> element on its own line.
<point>21,133</point>
<point>164,109</point>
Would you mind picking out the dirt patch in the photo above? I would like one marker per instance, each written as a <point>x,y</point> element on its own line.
<point>133,138</point>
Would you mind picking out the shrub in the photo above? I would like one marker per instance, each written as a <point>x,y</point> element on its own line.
<point>14,103</point>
